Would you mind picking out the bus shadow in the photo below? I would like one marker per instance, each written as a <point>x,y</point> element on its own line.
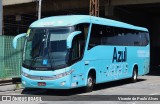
<point>52,92</point>
<point>70,92</point>
<point>115,84</point>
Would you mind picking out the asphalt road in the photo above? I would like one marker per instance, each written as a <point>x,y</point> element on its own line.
<point>146,85</point>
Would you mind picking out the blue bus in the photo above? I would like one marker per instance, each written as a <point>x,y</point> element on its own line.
<point>64,52</point>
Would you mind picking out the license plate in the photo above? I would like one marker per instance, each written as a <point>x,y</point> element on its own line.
<point>41,83</point>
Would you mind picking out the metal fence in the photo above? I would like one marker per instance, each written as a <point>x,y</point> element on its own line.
<point>10,58</point>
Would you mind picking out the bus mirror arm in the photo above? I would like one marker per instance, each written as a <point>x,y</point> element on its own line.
<point>70,38</point>
<point>16,38</point>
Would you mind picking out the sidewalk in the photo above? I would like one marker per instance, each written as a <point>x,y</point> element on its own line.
<point>10,85</point>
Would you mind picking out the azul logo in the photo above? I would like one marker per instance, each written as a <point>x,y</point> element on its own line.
<point>119,56</point>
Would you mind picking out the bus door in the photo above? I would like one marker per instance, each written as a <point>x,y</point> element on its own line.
<point>77,52</point>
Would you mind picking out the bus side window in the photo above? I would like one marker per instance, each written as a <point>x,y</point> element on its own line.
<point>143,37</point>
<point>77,49</point>
<point>129,38</point>
<point>95,36</point>
<point>75,52</point>
<point>79,42</point>
<point>119,38</point>
<point>106,37</point>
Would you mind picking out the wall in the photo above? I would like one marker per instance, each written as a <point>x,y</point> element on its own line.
<point>12,2</point>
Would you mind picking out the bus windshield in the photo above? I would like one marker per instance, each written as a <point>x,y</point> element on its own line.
<point>46,48</point>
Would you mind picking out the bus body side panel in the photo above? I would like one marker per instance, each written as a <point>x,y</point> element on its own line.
<point>140,56</point>
<point>107,68</point>
<point>78,77</point>
<point>117,62</point>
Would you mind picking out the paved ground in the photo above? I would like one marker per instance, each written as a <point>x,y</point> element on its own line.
<point>146,85</point>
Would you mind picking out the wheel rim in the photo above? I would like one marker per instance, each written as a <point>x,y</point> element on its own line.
<point>135,75</point>
<point>90,82</point>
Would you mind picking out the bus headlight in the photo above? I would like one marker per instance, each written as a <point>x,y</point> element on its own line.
<point>24,74</point>
<point>63,74</point>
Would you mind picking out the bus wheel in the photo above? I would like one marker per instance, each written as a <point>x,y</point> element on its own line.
<point>90,83</point>
<point>134,75</point>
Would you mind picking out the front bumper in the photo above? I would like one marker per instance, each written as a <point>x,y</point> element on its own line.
<point>61,83</point>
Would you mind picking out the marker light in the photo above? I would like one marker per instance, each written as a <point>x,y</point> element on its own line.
<point>63,83</point>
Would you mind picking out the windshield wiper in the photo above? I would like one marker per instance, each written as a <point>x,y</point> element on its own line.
<point>36,56</point>
<point>48,50</point>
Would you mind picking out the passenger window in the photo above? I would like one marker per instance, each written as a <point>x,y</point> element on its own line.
<point>108,35</point>
<point>79,42</point>
<point>78,46</point>
<point>95,36</point>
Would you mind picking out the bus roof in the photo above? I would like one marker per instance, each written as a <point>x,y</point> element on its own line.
<point>70,20</point>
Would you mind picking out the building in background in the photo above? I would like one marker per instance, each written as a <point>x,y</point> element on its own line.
<point>19,14</point>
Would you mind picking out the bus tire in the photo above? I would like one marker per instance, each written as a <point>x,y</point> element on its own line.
<point>90,83</point>
<point>134,75</point>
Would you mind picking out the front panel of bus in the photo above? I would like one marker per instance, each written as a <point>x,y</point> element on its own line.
<point>47,60</point>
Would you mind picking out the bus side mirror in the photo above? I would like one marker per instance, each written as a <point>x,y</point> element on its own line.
<point>16,38</point>
<point>70,38</point>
